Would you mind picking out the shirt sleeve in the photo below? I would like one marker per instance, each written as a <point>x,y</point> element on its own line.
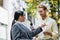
<point>35,32</point>
<point>55,30</point>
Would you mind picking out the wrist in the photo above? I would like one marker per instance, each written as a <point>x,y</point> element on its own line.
<point>41,28</point>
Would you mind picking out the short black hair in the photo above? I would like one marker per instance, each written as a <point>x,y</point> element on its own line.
<point>17,14</point>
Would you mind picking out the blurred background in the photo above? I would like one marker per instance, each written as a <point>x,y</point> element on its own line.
<point>8,7</point>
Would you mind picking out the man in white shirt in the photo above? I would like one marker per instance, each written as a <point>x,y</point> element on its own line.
<point>50,31</point>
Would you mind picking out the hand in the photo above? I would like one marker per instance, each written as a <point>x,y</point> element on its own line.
<point>47,33</point>
<point>43,25</point>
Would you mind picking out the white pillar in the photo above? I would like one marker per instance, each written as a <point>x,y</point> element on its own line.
<point>8,6</point>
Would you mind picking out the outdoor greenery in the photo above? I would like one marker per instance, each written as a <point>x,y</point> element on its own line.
<point>32,8</point>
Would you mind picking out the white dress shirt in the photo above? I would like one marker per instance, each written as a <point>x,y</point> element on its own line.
<point>51,26</point>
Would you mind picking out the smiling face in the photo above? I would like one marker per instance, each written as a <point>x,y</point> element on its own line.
<point>42,11</point>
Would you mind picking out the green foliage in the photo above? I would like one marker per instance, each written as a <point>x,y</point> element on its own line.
<point>32,6</point>
<point>53,6</point>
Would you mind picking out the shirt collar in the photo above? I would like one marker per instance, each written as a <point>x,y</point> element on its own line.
<point>45,18</point>
<point>19,22</point>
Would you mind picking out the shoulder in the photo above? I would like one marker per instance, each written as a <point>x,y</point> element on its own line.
<point>15,28</point>
<point>16,25</point>
<point>52,20</point>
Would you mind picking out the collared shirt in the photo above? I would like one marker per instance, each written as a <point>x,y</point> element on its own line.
<point>51,26</point>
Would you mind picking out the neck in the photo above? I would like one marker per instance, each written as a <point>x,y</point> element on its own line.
<point>19,20</point>
<point>44,17</point>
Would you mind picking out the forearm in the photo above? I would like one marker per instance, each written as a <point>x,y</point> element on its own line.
<point>36,31</point>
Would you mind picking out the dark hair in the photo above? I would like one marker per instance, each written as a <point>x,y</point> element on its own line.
<point>16,16</point>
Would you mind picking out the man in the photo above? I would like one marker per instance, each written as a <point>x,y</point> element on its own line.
<point>50,31</point>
